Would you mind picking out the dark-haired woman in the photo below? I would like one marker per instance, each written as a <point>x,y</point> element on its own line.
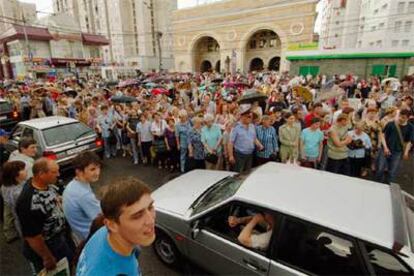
<point>14,177</point>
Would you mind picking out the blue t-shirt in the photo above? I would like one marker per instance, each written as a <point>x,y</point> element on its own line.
<point>80,207</point>
<point>98,258</point>
<point>312,140</point>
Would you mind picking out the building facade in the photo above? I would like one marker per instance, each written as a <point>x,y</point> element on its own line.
<point>57,47</point>
<point>367,24</point>
<point>15,12</point>
<point>237,35</point>
<point>139,32</point>
<point>362,63</point>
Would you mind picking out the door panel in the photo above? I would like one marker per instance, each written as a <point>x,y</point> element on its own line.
<point>282,270</point>
<point>221,256</point>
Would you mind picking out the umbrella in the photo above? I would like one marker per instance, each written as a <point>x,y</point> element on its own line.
<point>330,94</point>
<point>158,91</point>
<point>218,80</point>
<point>153,85</point>
<point>123,99</point>
<point>127,83</point>
<point>111,83</point>
<point>251,96</point>
<point>391,80</point>
<point>44,89</point>
<point>70,92</point>
<point>304,93</point>
<point>346,84</point>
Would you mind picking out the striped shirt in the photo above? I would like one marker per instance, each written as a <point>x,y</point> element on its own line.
<point>268,138</point>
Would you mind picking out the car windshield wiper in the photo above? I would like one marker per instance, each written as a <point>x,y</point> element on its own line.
<point>82,134</point>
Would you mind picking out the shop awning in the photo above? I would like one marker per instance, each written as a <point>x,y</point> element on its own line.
<point>93,39</point>
<point>18,32</point>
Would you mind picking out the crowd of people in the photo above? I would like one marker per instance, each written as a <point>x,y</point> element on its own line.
<point>182,122</point>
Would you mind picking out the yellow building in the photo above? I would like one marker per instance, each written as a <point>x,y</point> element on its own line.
<point>244,35</point>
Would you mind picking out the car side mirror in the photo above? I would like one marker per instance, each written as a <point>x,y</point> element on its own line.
<point>195,230</point>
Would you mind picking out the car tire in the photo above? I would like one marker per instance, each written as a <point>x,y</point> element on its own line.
<point>166,250</point>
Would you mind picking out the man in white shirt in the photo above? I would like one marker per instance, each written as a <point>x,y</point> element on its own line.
<point>248,236</point>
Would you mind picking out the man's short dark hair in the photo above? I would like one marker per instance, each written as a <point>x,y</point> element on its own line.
<point>84,159</point>
<point>315,105</point>
<point>11,170</point>
<point>315,120</point>
<point>405,112</point>
<point>121,193</point>
<point>26,142</point>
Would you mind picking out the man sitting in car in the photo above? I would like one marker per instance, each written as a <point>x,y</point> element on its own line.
<point>248,236</point>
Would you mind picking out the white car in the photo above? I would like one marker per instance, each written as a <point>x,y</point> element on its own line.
<point>58,138</point>
<point>325,224</point>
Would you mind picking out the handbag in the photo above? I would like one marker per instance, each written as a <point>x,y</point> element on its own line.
<point>112,138</point>
<point>211,158</point>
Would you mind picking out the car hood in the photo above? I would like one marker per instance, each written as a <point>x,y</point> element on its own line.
<point>177,195</point>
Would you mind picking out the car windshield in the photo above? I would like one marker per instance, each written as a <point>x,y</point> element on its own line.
<point>66,133</point>
<point>220,191</point>
<point>5,107</point>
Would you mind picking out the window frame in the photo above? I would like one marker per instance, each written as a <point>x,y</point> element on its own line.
<point>364,252</point>
<point>229,205</point>
<point>276,242</point>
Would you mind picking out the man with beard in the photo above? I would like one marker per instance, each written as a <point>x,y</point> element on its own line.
<point>129,218</point>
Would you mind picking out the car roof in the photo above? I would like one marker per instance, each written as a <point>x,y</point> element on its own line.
<point>48,122</point>
<point>353,206</point>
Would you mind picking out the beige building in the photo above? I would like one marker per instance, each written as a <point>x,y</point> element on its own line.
<point>241,35</point>
<point>14,12</point>
<point>134,28</point>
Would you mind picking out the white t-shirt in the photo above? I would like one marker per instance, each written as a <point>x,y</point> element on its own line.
<point>261,241</point>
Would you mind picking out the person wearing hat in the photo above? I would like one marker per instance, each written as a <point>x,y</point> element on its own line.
<point>243,140</point>
<point>337,146</point>
<point>4,138</point>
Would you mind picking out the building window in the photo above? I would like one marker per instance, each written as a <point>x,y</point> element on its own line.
<point>381,26</point>
<point>359,44</point>
<point>411,7</point>
<point>376,11</point>
<point>373,28</point>
<point>379,43</point>
<point>395,43</point>
<point>401,7</point>
<point>371,44</point>
<point>385,6</point>
<point>397,26</point>
<point>408,26</point>
<point>405,42</point>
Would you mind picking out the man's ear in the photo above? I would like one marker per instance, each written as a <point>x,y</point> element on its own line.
<point>111,225</point>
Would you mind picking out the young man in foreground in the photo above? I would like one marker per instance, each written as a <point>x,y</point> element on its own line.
<point>129,222</point>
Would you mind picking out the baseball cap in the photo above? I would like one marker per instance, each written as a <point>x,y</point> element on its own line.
<point>4,133</point>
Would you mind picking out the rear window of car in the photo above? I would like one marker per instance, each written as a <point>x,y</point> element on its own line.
<point>66,133</point>
<point>5,107</point>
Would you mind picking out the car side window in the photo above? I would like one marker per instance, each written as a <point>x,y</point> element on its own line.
<point>386,263</point>
<point>28,133</point>
<point>317,250</point>
<point>17,132</point>
<point>230,221</point>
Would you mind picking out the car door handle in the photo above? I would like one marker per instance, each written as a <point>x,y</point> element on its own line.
<point>254,266</point>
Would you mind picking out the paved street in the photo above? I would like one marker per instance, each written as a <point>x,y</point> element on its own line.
<point>12,262</point>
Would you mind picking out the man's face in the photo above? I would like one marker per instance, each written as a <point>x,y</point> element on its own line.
<point>50,177</point>
<point>403,119</point>
<point>30,151</point>
<point>246,118</point>
<point>91,173</point>
<point>137,222</point>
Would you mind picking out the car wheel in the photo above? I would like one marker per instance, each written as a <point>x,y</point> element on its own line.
<point>166,250</point>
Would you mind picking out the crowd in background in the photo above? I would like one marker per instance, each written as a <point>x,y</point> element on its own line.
<point>181,122</point>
